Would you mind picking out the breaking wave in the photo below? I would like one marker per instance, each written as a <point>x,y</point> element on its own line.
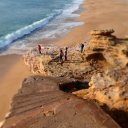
<point>9,38</point>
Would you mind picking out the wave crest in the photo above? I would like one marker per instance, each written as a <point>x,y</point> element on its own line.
<point>8,39</point>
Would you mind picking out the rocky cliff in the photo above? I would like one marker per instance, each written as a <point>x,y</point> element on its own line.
<point>98,74</point>
<point>103,64</point>
<point>110,85</point>
<point>41,104</point>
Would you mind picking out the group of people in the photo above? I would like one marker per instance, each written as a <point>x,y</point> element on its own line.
<point>63,55</point>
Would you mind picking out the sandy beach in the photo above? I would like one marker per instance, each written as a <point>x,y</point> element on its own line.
<point>97,14</point>
<point>12,72</point>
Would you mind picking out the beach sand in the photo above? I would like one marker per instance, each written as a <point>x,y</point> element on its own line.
<point>12,72</point>
<point>97,14</point>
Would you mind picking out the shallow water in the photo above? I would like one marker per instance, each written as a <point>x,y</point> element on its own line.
<point>30,17</point>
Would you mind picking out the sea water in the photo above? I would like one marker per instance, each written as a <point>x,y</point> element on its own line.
<point>26,21</point>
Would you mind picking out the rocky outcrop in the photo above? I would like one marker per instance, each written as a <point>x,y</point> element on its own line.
<point>37,64</point>
<point>49,65</point>
<point>110,90</point>
<point>102,38</point>
<point>103,64</point>
<point>41,104</point>
<point>107,48</point>
<point>110,87</point>
<point>103,51</point>
<point>104,54</point>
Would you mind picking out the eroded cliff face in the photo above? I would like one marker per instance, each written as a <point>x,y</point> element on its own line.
<point>103,46</point>
<point>41,104</point>
<point>102,52</point>
<point>104,64</point>
<point>111,85</point>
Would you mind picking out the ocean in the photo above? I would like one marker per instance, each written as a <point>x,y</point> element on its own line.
<point>24,22</point>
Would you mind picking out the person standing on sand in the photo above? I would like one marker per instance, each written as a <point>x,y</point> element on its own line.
<point>39,49</point>
<point>82,47</point>
<point>65,55</point>
<point>61,56</point>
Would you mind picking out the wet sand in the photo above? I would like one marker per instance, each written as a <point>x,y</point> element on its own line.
<point>98,14</point>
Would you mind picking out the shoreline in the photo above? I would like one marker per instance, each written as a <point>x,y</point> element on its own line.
<point>14,61</point>
<point>14,71</point>
<point>96,16</point>
<point>51,30</point>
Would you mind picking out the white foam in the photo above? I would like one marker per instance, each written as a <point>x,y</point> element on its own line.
<point>26,30</point>
<point>75,6</point>
<point>54,29</point>
<point>65,27</point>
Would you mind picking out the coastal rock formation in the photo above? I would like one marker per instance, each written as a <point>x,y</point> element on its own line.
<point>102,38</point>
<point>41,104</point>
<point>110,90</point>
<point>103,51</point>
<point>112,82</point>
<point>49,65</point>
<point>103,64</point>
<point>104,47</point>
<point>110,87</point>
<point>109,56</point>
<point>37,64</point>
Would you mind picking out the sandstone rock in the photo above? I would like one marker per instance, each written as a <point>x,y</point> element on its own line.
<point>45,106</point>
<point>102,32</point>
<point>107,48</point>
<point>103,64</point>
<point>110,87</point>
<point>99,55</point>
